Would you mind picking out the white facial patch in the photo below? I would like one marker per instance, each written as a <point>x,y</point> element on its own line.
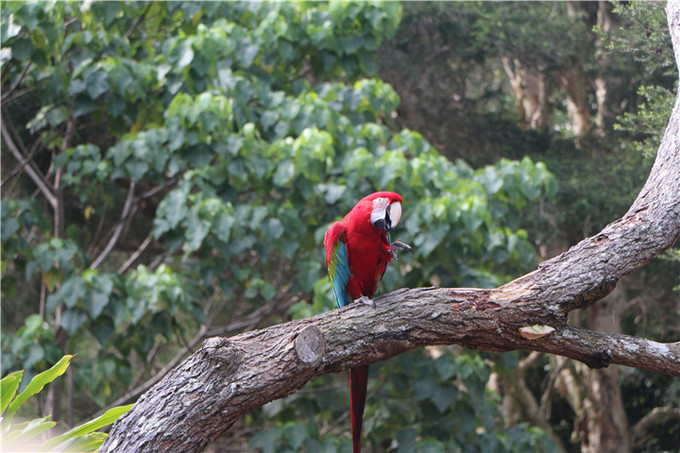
<point>384,215</point>
<point>379,207</point>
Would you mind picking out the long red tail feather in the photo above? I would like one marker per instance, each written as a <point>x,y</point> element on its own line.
<point>358,382</point>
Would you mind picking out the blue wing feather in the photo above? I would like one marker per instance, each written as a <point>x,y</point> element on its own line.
<point>339,273</point>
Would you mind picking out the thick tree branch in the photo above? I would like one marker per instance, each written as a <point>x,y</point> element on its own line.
<point>201,398</point>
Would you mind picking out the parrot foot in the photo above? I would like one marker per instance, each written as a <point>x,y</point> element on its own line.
<point>398,246</point>
<point>366,300</point>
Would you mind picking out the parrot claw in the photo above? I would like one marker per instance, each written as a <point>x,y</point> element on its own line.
<point>366,300</point>
<point>398,246</point>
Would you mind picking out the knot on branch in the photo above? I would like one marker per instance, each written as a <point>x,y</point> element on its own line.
<point>599,359</point>
<point>310,345</point>
<point>223,352</point>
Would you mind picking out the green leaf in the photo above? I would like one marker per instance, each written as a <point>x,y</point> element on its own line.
<point>8,388</point>
<point>35,386</point>
<point>295,435</point>
<point>105,419</point>
<point>223,227</point>
<point>95,303</point>
<point>443,396</point>
<point>247,53</point>
<point>186,54</point>
<point>267,439</point>
<point>172,209</point>
<point>137,168</point>
<point>284,172</point>
<point>10,226</point>
<point>97,84</point>
<point>445,367</point>
<point>22,49</point>
<point>72,319</point>
<point>87,443</point>
<point>28,430</point>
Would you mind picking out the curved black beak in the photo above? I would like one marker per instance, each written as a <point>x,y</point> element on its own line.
<point>384,224</point>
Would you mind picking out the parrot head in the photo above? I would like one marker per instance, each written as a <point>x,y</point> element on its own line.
<point>382,208</point>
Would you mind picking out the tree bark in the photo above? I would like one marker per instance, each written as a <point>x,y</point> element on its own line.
<point>202,397</point>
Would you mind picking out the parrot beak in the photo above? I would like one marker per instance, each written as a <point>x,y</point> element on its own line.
<point>385,216</point>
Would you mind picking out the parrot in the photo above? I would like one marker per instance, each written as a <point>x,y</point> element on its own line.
<point>358,249</point>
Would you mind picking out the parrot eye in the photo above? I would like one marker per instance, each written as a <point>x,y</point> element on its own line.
<point>385,216</point>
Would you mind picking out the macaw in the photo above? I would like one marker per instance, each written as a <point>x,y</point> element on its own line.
<point>358,249</point>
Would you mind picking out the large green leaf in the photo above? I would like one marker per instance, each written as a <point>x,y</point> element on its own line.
<point>8,388</point>
<point>89,442</point>
<point>65,440</point>
<point>36,385</point>
<point>26,431</point>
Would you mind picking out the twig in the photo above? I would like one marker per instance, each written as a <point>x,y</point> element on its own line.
<point>16,96</point>
<point>528,361</point>
<point>130,261</point>
<point>151,192</point>
<point>17,83</point>
<point>138,22</point>
<point>38,145</point>
<point>119,228</point>
<point>546,405</point>
<point>59,216</point>
<point>36,176</point>
<point>158,261</point>
<point>100,226</point>
<point>655,415</point>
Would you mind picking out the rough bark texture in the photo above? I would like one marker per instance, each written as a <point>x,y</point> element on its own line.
<point>200,399</point>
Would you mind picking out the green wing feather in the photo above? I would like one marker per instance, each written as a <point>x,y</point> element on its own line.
<point>338,270</point>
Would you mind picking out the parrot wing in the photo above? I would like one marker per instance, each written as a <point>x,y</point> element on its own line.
<point>338,262</point>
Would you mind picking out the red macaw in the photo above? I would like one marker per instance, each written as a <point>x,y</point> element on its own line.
<point>358,249</point>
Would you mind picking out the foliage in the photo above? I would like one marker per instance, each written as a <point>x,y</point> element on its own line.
<point>26,435</point>
<point>658,92</point>
<point>445,63</point>
<point>447,384</point>
<point>257,160</point>
<point>539,34</point>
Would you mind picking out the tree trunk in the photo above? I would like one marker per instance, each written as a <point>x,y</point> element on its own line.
<point>202,397</point>
<point>532,90</point>
<point>603,116</point>
<point>604,426</point>
<point>574,80</point>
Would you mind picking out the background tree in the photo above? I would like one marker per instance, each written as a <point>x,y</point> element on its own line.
<point>531,44</point>
<point>170,168</point>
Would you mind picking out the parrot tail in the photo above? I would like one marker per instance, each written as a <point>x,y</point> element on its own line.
<point>358,382</point>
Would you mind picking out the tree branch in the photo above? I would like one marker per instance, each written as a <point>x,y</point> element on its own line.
<point>203,396</point>
<point>6,95</point>
<point>34,174</point>
<point>38,146</point>
<point>138,22</point>
<point>118,229</point>
<point>640,429</point>
<point>133,258</point>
